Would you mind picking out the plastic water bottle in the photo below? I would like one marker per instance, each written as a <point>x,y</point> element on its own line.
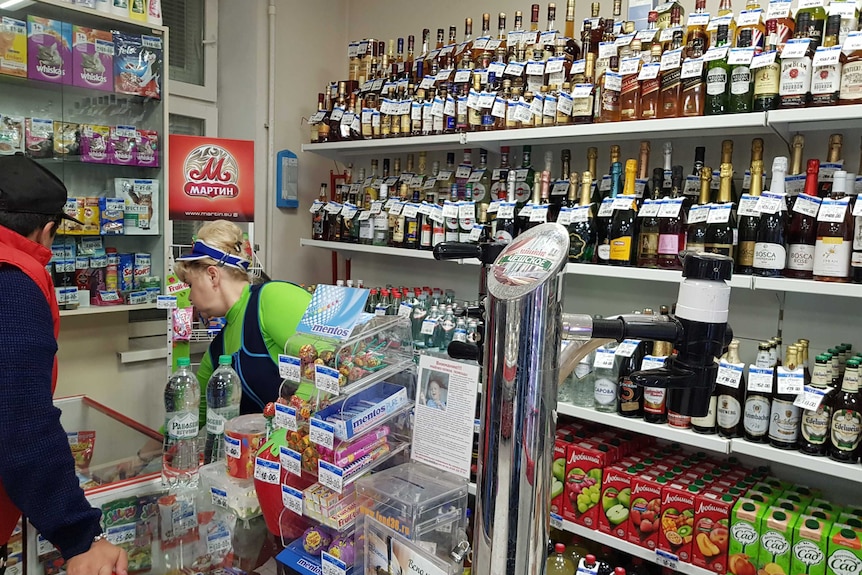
<point>445,330</point>
<point>224,392</point>
<point>558,563</point>
<point>181,456</point>
<point>460,330</point>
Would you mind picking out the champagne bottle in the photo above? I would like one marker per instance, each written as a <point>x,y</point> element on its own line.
<point>697,217</point>
<point>623,222</point>
<point>769,251</point>
<point>719,231</point>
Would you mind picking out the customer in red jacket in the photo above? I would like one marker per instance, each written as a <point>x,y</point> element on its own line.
<point>37,471</point>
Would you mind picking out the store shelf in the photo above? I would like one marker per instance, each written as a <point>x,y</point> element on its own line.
<point>94,310</point>
<point>377,250</point>
<point>646,274</point>
<point>59,9</point>
<point>664,431</point>
<point>821,465</point>
<point>630,548</point>
<point>409,144</point>
<point>808,286</point>
<point>788,122</point>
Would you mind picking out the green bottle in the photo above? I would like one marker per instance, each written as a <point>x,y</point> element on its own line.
<point>741,80</point>
<point>717,79</point>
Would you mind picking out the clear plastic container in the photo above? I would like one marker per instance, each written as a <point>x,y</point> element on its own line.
<point>236,495</point>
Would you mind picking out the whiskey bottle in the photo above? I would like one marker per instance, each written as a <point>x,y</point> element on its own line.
<point>741,84</point>
<point>784,415</point>
<point>749,220</point>
<point>699,214</point>
<point>693,89</point>
<point>725,17</point>
<point>623,222</point>
<point>650,89</point>
<point>833,246</point>
<point>814,427</point>
<point>794,88</point>
<point>717,77</point>
<point>671,237</point>
<point>802,231</point>
<point>731,400</point>
<point>318,217</point>
<point>770,252</point>
<point>816,16</point>
<point>851,79</point>
<point>582,226</point>
<point>630,93</point>
<point>846,424</point>
<point>605,216</point>
<point>826,78</point>
<point>671,83</point>
<point>766,78</point>
<point>720,226</point>
<point>697,30</point>
<point>648,232</point>
<point>609,87</point>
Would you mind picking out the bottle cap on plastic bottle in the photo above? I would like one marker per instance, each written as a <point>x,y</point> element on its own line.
<point>560,548</point>
<point>225,360</point>
<point>183,362</point>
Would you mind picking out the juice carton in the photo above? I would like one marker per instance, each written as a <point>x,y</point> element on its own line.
<point>49,50</point>
<point>826,505</point>
<point>821,513</point>
<point>645,512</point>
<point>13,50</point>
<point>805,491</point>
<point>768,490</point>
<point>776,537</point>
<point>745,520</point>
<point>849,519</point>
<point>711,535</point>
<point>790,505</point>
<point>676,529</point>
<point>616,500</point>
<point>801,501</point>
<point>777,484</point>
<point>559,474</point>
<point>758,496</point>
<point>583,486</point>
<point>844,554</point>
<point>810,542</point>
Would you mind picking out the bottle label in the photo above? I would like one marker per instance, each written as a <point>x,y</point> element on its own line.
<point>740,80</point>
<point>707,421</point>
<point>795,77</point>
<point>746,253</point>
<point>846,429</point>
<point>756,416</point>
<point>216,418</point>
<point>678,420</point>
<point>654,399</point>
<point>769,256</point>
<point>857,235</point>
<point>716,81</point>
<point>621,249</point>
<point>728,411</point>
<point>766,81</point>
<point>851,81</point>
<point>826,79</point>
<point>832,257</point>
<point>668,244</point>
<point>183,425</point>
<point>800,257</point>
<point>784,421</point>
<point>629,401</point>
<point>604,252</point>
<point>648,244</point>
<point>605,391</point>
<point>815,425</point>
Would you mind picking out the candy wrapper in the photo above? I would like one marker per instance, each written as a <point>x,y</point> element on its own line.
<point>82,443</point>
<point>182,322</point>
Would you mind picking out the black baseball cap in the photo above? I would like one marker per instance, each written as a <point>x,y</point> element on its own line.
<point>28,188</point>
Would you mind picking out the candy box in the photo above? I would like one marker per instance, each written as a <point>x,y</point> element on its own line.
<point>49,50</point>
<point>11,135</point>
<point>94,143</point>
<point>122,145</point>
<point>645,513</point>
<point>67,139</point>
<point>810,544</point>
<point>746,518</point>
<point>677,521</point>
<point>711,531</point>
<point>616,500</point>
<point>583,484</point>
<point>844,554</point>
<point>363,411</point>
<point>147,148</point>
<point>776,537</point>
<point>39,138</point>
<point>138,65</point>
<point>13,47</point>
<point>92,58</point>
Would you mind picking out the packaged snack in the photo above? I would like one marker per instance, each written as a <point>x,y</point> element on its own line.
<point>126,272</point>
<point>141,199</point>
<point>143,268</point>
<point>92,58</point>
<point>182,323</point>
<point>122,146</point>
<point>82,444</point>
<point>67,139</point>
<point>111,210</point>
<point>88,214</point>
<point>137,65</point>
<point>147,153</point>
<point>94,143</point>
<point>39,137</point>
<point>11,134</point>
<point>13,47</point>
<point>49,50</point>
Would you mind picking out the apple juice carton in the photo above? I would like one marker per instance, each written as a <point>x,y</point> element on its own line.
<point>810,543</point>
<point>776,538</point>
<point>583,484</point>
<point>826,505</point>
<point>558,481</point>
<point>745,519</point>
<point>645,512</point>
<point>844,553</point>
<point>49,50</point>
<point>770,491</point>
<point>616,500</point>
<point>677,521</point>
<point>711,531</point>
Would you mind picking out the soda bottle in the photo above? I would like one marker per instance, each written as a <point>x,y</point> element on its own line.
<point>558,563</point>
<point>224,392</point>
<point>180,455</point>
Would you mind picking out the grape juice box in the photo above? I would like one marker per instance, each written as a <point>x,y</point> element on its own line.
<point>558,480</point>
<point>92,59</point>
<point>645,512</point>
<point>711,531</point>
<point>616,500</point>
<point>844,552</point>
<point>776,537</point>
<point>582,498</point>
<point>676,529</point>
<point>810,543</point>
<point>745,520</point>
<point>49,50</point>
<point>13,49</point>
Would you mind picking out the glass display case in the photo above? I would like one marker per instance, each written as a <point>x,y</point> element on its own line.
<point>83,94</point>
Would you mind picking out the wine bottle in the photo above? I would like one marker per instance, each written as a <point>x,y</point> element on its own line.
<point>622,231</point>
<point>582,229</point>
<point>802,229</point>
<point>605,216</point>
<point>648,233</point>
<point>833,246</point>
<point>671,235</point>
<point>695,240</point>
<point>749,219</point>
<point>770,253</point>
<point>720,226</point>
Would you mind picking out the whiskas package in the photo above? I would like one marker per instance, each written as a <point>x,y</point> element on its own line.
<point>141,199</point>
<point>39,138</point>
<point>11,134</point>
<point>94,143</point>
<point>138,65</point>
<point>122,145</point>
<point>92,58</point>
<point>147,148</point>
<point>13,48</point>
<point>49,50</point>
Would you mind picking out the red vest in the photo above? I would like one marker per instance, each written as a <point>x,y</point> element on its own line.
<point>31,258</point>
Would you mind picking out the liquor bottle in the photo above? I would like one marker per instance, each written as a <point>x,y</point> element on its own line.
<point>766,78</point>
<point>671,236</point>
<point>607,380</point>
<point>784,416</point>
<point>446,177</point>
<point>314,123</point>
<point>770,253</point>
<point>725,16</point>
<point>696,31</point>
<point>506,229</point>
<point>630,93</point>
<point>582,230</point>
<point>794,88</point>
<point>856,257</point>
<point>802,230</point>
<point>671,84</point>
<point>695,240</point>
<point>826,78</point>
<point>749,220</point>
<point>731,400</point>
<point>481,179</point>
<point>717,77</point>
<point>648,234</point>
<point>452,224</point>
<point>584,92</point>
<point>623,222</point>
<point>630,402</point>
<point>412,223</point>
<point>650,90</point>
<point>526,178</point>
<point>397,223</point>
<point>833,247</point>
<point>381,220</point>
<point>846,424</point>
<point>604,220</point>
<point>707,425</point>
<point>816,16</point>
<point>500,176</point>
<point>318,218</point>
<point>558,198</point>
<point>338,109</point>
<point>833,162</point>
<point>779,15</point>
<point>741,81</point>
<point>851,79</point>
<point>693,88</point>
<point>814,427</point>
<point>752,20</point>
<point>466,215</point>
<point>655,398</point>
<point>758,404</point>
<point>719,231</point>
<point>609,86</point>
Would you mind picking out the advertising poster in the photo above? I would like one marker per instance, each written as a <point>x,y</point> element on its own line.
<point>333,311</point>
<point>211,179</point>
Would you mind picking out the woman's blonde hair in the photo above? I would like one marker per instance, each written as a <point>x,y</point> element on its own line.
<point>220,234</point>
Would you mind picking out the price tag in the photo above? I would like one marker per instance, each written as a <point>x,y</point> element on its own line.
<point>607,50</point>
<point>650,208</point>
<point>443,75</point>
<point>289,368</point>
<point>607,208</point>
<point>364,215</point>
<point>810,398</point>
<point>582,90</point>
<point>857,207</point>
<point>121,534</point>
<point>812,3</point>
<point>749,17</point>
<point>763,59</point>
<point>449,107</point>
<point>790,381</point>
<point>550,108</point>
<point>404,310</point>
<point>795,48</point>
<point>629,66</point>
<point>326,379</point>
<point>759,379</point>
<point>623,202</point>
<point>473,99</point>
<point>475,176</point>
<point>832,210</point>
<point>330,476</point>
<point>649,71</point>
<point>698,19</point>
<point>808,205</point>
<point>692,68</point>
<point>671,59</point>
<point>692,186</point>
<point>291,461</point>
<point>410,211</point>
<point>493,207</point>
<point>437,108</point>
<point>666,35</point>
<point>627,348</point>
<point>613,81</point>
<point>770,203</point>
<point>219,497</point>
<point>718,21</point>
<point>539,214</point>
<point>467,211</point>
<point>267,471</point>
<point>331,565</point>
<point>166,302</point>
<point>428,326</point>
<point>741,56</point>
<point>497,68</point>
<point>560,188</point>
<point>624,40</point>
<point>427,82</point>
<point>499,108</point>
<point>778,9</point>
<point>729,374</point>
<point>291,499</point>
<point>652,362</point>
<point>476,233</point>
<point>321,433</point>
<point>647,35</point>
<point>748,206</point>
<point>580,214</point>
<point>547,37</point>
<point>526,211</point>
<point>232,447</point>
<point>826,56</point>
<point>554,65</point>
<point>698,214</point>
<point>844,9</point>
<point>506,211</point>
<point>450,209</point>
<point>578,67</point>
<point>666,559</point>
<point>463,172</point>
<point>853,41</point>
<point>719,214</point>
<point>794,185</point>
<point>515,69</point>
<point>535,68</point>
<point>556,521</point>
<point>604,358</point>
<point>395,208</point>
<point>670,208</point>
<point>285,417</point>
<point>564,218</point>
<point>336,115</point>
<point>316,206</point>
<point>537,105</point>
<point>462,76</point>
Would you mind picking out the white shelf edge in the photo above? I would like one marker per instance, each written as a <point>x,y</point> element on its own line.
<point>808,286</point>
<point>379,250</point>
<point>410,143</point>
<point>786,122</point>
<point>822,465</point>
<point>626,547</point>
<point>139,355</point>
<point>663,431</point>
<point>97,309</point>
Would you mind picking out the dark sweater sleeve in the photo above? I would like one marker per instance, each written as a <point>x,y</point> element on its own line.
<point>36,465</point>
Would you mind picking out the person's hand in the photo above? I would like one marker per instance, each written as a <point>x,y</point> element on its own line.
<point>103,558</point>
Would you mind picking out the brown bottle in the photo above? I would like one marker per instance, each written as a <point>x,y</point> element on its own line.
<point>814,428</point>
<point>846,424</point>
<point>671,85</point>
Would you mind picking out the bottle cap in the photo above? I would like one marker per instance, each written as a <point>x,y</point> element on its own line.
<point>183,362</point>
<point>560,548</point>
<point>225,360</point>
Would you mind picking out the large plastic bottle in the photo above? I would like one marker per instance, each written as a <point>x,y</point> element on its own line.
<point>180,455</point>
<point>559,563</point>
<point>224,392</point>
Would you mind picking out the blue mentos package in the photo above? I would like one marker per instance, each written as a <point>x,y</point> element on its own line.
<point>126,272</point>
<point>138,65</point>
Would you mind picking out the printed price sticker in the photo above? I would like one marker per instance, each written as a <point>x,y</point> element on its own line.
<point>219,497</point>
<point>428,326</point>
<point>289,368</point>
<point>719,214</point>
<point>396,208</point>
<point>267,471</point>
<point>790,381</point>
<point>853,41</point>
<point>749,17</point>
<point>629,66</point>
<point>794,185</point>
<point>450,209</point>
<point>607,208</point>
<point>285,417</point>
<point>506,211</point>
<point>331,565</point>
<point>692,186</point>
<point>514,69</point>
<point>463,172</point>
<point>741,56</point>
<point>120,534</point>
<point>613,81</point>
<point>475,176</point>
<point>166,302</point>
<point>291,461</point>
<point>646,35</point>
<point>671,59</point>
<point>607,50</point>
<point>624,40</point>
<point>812,3</point>
<point>795,48</point>
<point>326,379</point>
<point>579,67</point>
<point>493,207</point>
<point>844,9</point>
<point>698,19</point>
<point>330,476</point>
<point>760,379</point>
<point>462,76</point>
<point>808,205</point>
<point>623,202</point>
<point>666,35</point>
<point>497,68</point>
<point>810,398</point>
<point>560,188</point>
<point>627,347</point>
<point>475,233</point>
<point>580,214</point>
<point>650,209</point>
<point>535,68</point>
<point>582,90</point>
<point>539,214</point>
<point>670,208</point>
<point>321,433</point>
<point>716,53</point>
<point>364,215</point>
<point>718,21</point>
<point>692,68</point>
<point>404,310</point>
<point>232,447</point>
<point>748,206</point>
<point>554,65</point>
<point>556,521</point>
<point>410,211</point>
<point>427,82</point>
<point>537,105</point>
<point>564,218</point>
<point>778,9</point>
<point>763,59</point>
<point>729,374</point>
<point>770,203</point>
<point>832,210</point>
<point>857,207</point>
<point>826,56</point>
<point>467,211</point>
<point>604,358</point>
<point>526,211</point>
<point>652,362</point>
<point>449,107</point>
<point>649,71</point>
<point>292,499</point>
<point>666,559</point>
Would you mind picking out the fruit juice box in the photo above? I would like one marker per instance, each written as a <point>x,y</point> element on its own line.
<point>820,513</point>
<point>805,491</point>
<point>49,50</point>
<point>676,529</point>
<point>776,537</point>
<point>769,490</point>
<point>810,543</point>
<point>711,533</point>
<point>616,500</point>
<point>826,505</point>
<point>844,553</point>
<point>789,504</point>
<point>645,512</point>
<point>745,520</point>
<point>558,480</point>
<point>777,484</point>
<point>13,50</point>
<point>583,484</point>
<point>92,58</point>
<point>853,510</point>
<point>801,501</point>
<point>849,519</point>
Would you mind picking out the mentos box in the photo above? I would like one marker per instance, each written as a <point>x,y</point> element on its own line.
<point>711,531</point>
<point>810,544</point>
<point>584,466</point>
<point>49,50</point>
<point>676,529</point>
<point>746,518</point>
<point>92,58</point>
<point>645,512</point>
<point>138,65</point>
<point>616,500</point>
<point>776,537</point>
<point>147,148</point>
<point>94,143</point>
<point>13,49</point>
